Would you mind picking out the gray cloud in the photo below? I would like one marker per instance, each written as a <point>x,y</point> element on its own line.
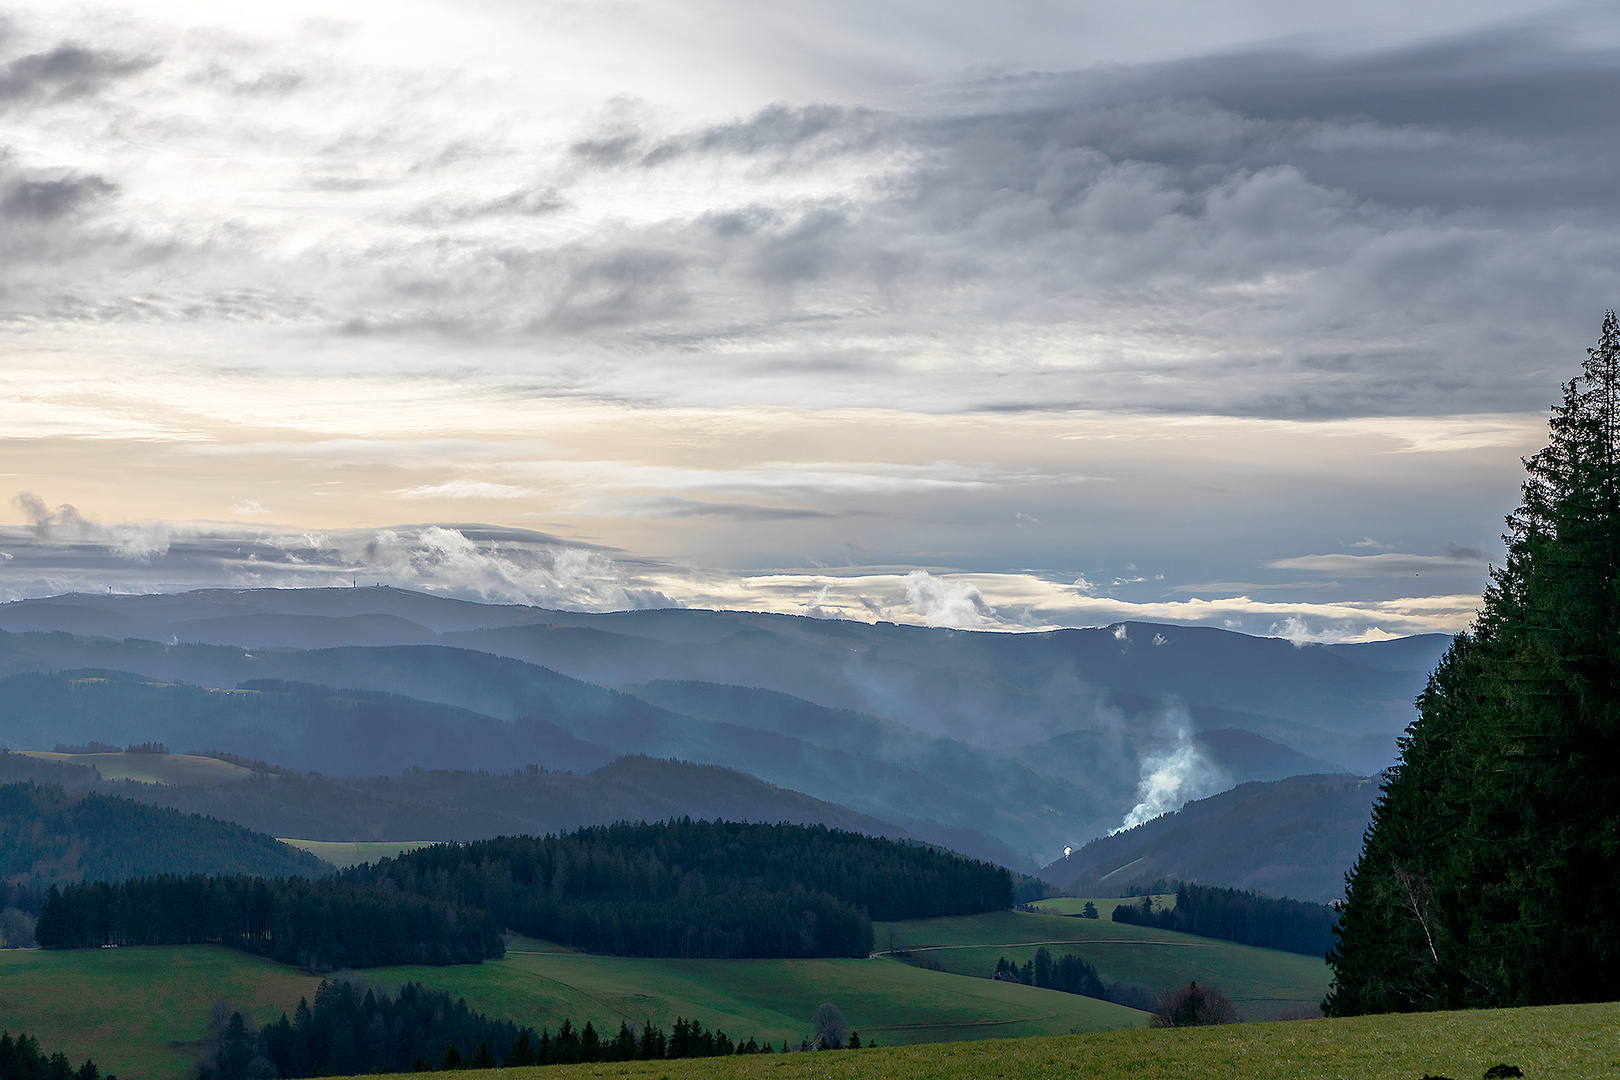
<point>63,551</point>
<point>1409,231</point>
<point>49,200</point>
<point>65,72</point>
<point>671,506</point>
<point>1455,559</point>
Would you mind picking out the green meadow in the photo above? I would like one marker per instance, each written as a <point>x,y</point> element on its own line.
<point>1074,905</point>
<point>1559,1042</point>
<point>152,768</point>
<point>1262,983</point>
<point>140,1011</point>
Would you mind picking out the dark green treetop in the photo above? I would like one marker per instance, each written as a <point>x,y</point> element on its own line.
<point>1490,873</point>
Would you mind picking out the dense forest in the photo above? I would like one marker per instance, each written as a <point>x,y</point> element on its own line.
<point>681,888</point>
<point>1244,917</point>
<point>699,889</point>
<point>50,836</point>
<point>347,1032</point>
<point>22,1059</point>
<point>319,925</point>
<point>1490,875</point>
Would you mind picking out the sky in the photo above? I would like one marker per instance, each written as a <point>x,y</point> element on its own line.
<point>996,316</point>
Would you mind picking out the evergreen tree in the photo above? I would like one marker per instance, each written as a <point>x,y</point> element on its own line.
<point>1490,873</point>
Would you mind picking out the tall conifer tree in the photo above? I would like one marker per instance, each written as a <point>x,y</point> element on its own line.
<point>1490,874</point>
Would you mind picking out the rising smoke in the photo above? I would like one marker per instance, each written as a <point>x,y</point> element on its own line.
<point>1175,774</point>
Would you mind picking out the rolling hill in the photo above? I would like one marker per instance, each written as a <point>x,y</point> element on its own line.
<point>1019,744</point>
<point>1295,838</point>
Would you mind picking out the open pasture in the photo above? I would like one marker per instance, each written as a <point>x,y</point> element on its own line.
<point>766,999</point>
<point>139,1012</point>
<point>152,768</point>
<point>1263,983</point>
<point>1074,905</point>
<point>1559,1042</point>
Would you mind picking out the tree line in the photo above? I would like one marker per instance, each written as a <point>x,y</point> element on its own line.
<point>680,888</point>
<point>1240,916</point>
<point>22,1059</point>
<point>320,924</point>
<point>346,1033</point>
<point>698,888</point>
<point>1072,974</point>
<point>1489,877</point>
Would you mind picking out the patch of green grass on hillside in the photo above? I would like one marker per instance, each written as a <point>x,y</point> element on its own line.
<point>139,1012</point>
<point>344,854</point>
<point>1262,983</point>
<point>152,768</point>
<point>1560,1042</point>
<point>771,1000</point>
<point>1074,905</point>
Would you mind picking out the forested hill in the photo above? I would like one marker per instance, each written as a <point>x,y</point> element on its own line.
<point>1294,838</point>
<point>695,888</point>
<point>49,836</point>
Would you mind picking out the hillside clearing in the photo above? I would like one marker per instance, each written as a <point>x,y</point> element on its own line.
<point>1263,983</point>
<point>152,768</point>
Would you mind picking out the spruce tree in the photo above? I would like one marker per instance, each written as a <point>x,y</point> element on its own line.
<point>1490,873</point>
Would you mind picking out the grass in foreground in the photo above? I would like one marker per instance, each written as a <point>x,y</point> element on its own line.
<point>1263,983</point>
<point>1561,1042</point>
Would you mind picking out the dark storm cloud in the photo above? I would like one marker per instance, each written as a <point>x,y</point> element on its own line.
<point>49,200</point>
<point>1420,230</point>
<point>65,72</point>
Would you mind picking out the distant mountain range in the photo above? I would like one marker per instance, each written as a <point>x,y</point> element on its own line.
<point>1006,746</point>
<point>445,804</point>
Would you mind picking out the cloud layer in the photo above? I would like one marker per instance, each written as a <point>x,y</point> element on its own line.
<point>871,314</point>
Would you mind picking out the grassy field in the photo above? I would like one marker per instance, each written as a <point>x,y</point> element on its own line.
<point>153,768</point>
<point>139,1012</point>
<point>1073,905</point>
<point>1563,1042</point>
<point>766,999</point>
<point>343,854</point>
<point>1263,983</point>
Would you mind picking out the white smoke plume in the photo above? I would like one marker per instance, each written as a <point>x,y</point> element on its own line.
<point>1175,774</point>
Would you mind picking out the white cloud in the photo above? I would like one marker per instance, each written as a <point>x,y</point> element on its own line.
<point>940,602</point>
<point>1387,564</point>
<point>465,489</point>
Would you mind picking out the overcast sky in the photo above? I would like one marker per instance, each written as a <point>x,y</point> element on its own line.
<point>1007,315</point>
